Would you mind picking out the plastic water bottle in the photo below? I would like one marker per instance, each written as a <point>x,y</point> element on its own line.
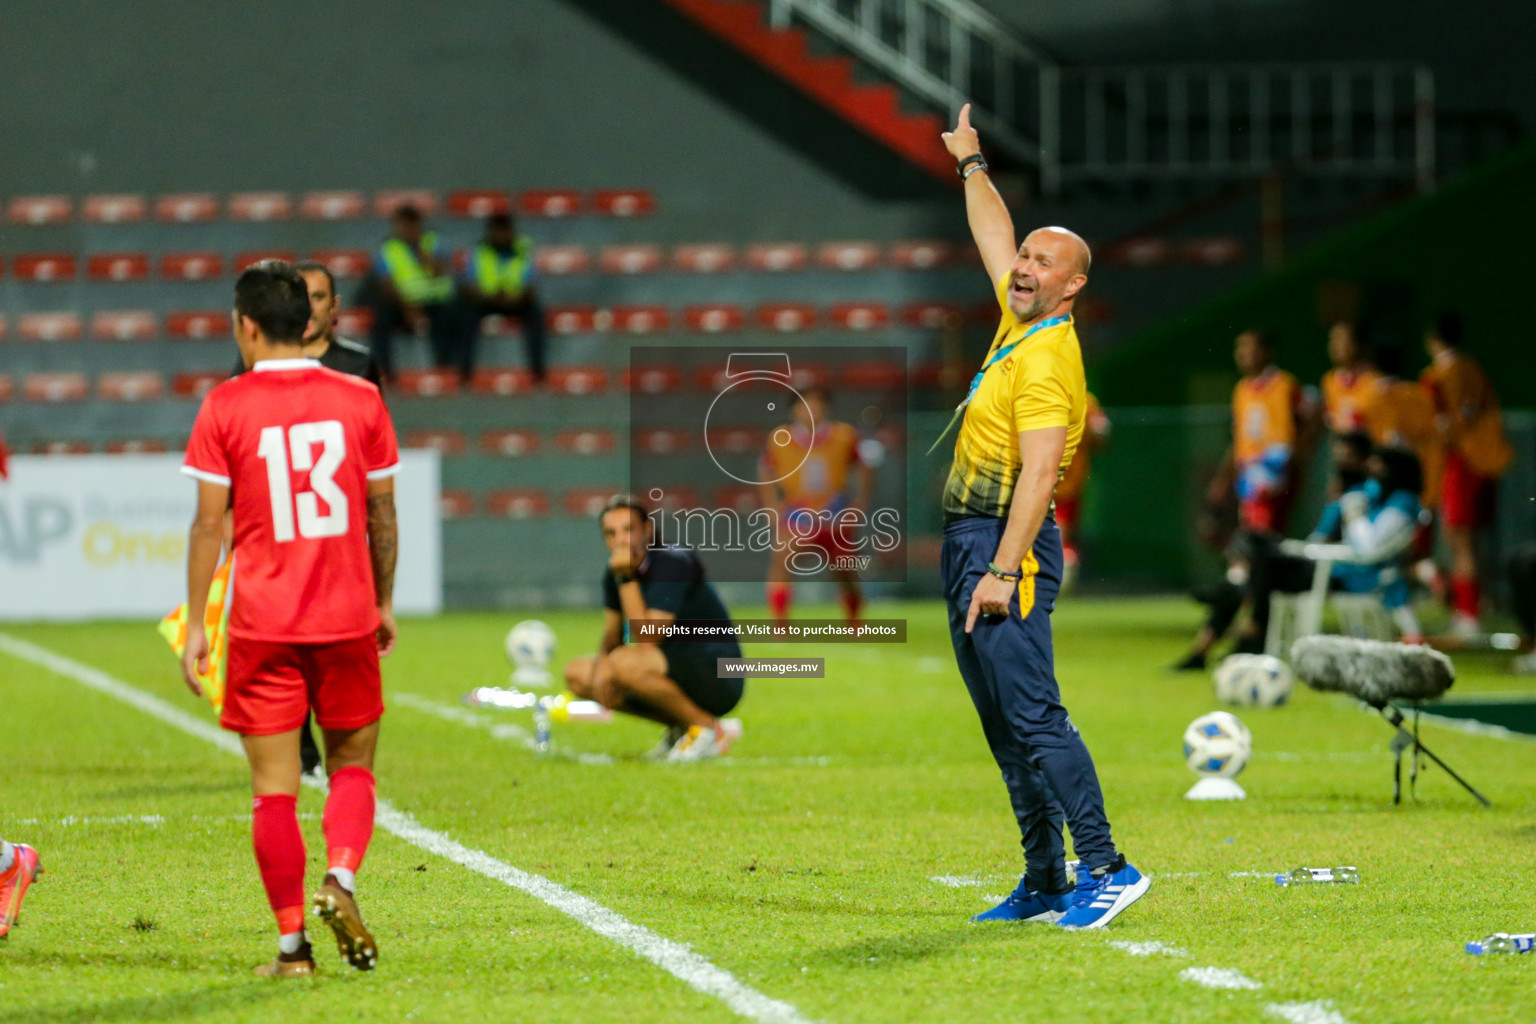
<point>1503,942</point>
<point>541,722</point>
<point>1345,875</point>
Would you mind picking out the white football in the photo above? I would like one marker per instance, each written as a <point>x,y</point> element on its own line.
<point>1253,680</point>
<point>1217,744</point>
<point>530,644</point>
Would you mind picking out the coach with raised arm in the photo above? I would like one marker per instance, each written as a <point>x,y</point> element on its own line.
<point>1019,426</point>
<point>674,682</point>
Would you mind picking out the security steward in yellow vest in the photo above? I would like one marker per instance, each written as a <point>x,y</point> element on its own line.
<point>499,279</point>
<point>413,290</point>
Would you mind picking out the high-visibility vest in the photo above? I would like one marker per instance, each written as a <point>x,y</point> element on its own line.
<point>502,276</point>
<point>410,277</point>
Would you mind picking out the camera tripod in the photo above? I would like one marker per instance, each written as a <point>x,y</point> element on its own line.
<point>1403,741</point>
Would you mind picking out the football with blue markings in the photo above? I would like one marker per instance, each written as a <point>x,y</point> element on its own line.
<point>1217,744</point>
<point>1253,681</point>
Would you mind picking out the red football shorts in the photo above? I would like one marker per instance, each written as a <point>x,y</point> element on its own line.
<point>1066,513</point>
<point>1466,499</point>
<point>270,687</point>
<point>1264,513</point>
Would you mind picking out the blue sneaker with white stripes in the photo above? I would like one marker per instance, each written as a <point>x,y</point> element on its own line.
<point>1024,905</point>
<point>1099,899</point>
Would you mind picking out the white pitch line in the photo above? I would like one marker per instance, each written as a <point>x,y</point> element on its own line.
<point>1220,978</point>
<point>1320,1011</point>
<point>1150,949</point>
<point>959,881</point>
<point>675,958</point>
<point>499,730</point>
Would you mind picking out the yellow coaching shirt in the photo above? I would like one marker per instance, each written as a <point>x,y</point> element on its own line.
<point>1039,384</point>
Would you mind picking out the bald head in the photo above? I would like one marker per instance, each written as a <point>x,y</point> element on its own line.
<point>1072,240</point>
<point>1051,267</point>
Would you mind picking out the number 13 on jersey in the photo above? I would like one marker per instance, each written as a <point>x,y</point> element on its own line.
<point>295,453</point>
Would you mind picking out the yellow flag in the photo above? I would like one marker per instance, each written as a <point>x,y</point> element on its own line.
<point>216,624</point>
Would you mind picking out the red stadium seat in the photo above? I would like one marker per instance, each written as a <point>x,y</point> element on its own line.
<point>663,441</point>
<point>187,208</point>
<point>135,446</point>
<point>919,255</point>
<point>738,497</point>
<point>630,259</point>
<point>675,499</point>
<point>577,380</point>
<point>653,380</point>
<point>6,387</point>
<point>124,325</point>
<point>48,326</point>
<point>623,202</point>
<point>43,267</point>
<point>930,315</point>
<point>931,376</point>
<point>586,501</point>
<point>848,255</point>
<point>861,316</point>
<point>196,383</point>
<point>60,447</point>
<point>550,202</point>
<point>736,440</point>
<point>191,266</point>
<point>130,386</point>
<point>118,266</point>
<point>714,319</point>
<point>260,206</point>
<point>114,209</point>
<point>640,319</point>
<point>354,322</point>
<point>197,324</point>
<point>1093,309</point>
<point>344,264</point>
<point>1221,251</point>
<point>585,441</point>
<point>572,319</point>
<point>561,260</point>
<point>874,376</point>
<point>1138,252</point>
<point>56,387</point>
<point>517,503</point>
<point>478,202</point>
<point>387,201</point>
<point>456,504</point>
<point>255,256</point>
<point>806,375</point>
<point>786,317</point>
<point>332,205</point>
<point>501,380</point>
<point>3,326</point>
<point>710,258</point>
<point>426,383</point>
<point>41,209</point>
<point>510,442</point>
<point>711,379</point>
<point>776,256</point>
<point>444,442</point>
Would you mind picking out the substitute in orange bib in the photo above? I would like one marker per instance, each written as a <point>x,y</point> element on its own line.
<point>1069,493</point>
<point>1349,387</point>
<point>1471,425</point>
<point>815,480</point>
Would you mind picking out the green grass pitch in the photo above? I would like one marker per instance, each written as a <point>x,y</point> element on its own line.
<point>804,864</point>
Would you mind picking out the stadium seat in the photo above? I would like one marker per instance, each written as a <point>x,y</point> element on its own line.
<point>196,383</point>
<point>354,323</point>
<point>919,255</point>
<point>195,325</point>
<point>736,440</point>
<point>1221,251</point>
<point>663,441</point>
<point>640,319</point>
<point>478,202</point>
<point>571,319</point>
<point>585,441</point>
<point>848,256</point>
<point>587,502</point>
<point>135,446</point>
<point>497,326</point>
<point>874,376</point>
<point>711,379</point>
<point>444,442</point>
<point>60,447</point>
<point>630,259</point>
<point>710,258</point>
<point>653,380</point>
<point>130,386</point>
<point>517,503</point>
<point>776,256</point>
<point>191,266</point>
<point>114,209</point>
<point>63,326</point>
<point>426,383</point>
<point>187,208</point>
<point>931,315</point>
<point>929,375</point>
<point>41,210</point>
<point>118,266</point>
<point>806,375</point>
<point>501,380</point>
<point>560,260</point>
<point>43,267</point>
<point>332,205</point>
<point>860,316</point>
<point>344,264</point>
<point>738,497</point>
<point>786,317</point>
<point>255,256</point>
<point>56,387</point>
<point>6,387</point>
<point>510,442</point>
<point>4,324</point>
<point>456,503</point>
<point>675,499</point>
<point>577,380</point>
<point>124,325</point>
<point>550,202</point>
<point>387,201</point>
<point>623,202</point>
<point>714,319</point>
<point>1138,252</point>
<point>260,206</point>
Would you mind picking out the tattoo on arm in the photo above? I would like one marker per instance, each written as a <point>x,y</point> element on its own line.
<point>383,544</point>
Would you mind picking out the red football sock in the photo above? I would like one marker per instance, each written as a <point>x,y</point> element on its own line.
<point>280,857</point>
<point>853,600</point>
<point>1466,595</point>
<point>348,819</point>
<point>779,595</point>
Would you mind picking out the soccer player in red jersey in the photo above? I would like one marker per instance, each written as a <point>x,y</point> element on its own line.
<point>309,457</point>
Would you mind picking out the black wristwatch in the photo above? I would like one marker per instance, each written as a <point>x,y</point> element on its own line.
<point>974,158</point>
<point>621,580</point>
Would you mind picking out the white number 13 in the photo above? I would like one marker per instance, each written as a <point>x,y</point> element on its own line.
<point>302,437</point>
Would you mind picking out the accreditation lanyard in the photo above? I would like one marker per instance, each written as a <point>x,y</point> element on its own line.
<point>1001,353</point>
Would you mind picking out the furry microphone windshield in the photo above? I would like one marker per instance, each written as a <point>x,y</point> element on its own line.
<point>1373,671</point>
